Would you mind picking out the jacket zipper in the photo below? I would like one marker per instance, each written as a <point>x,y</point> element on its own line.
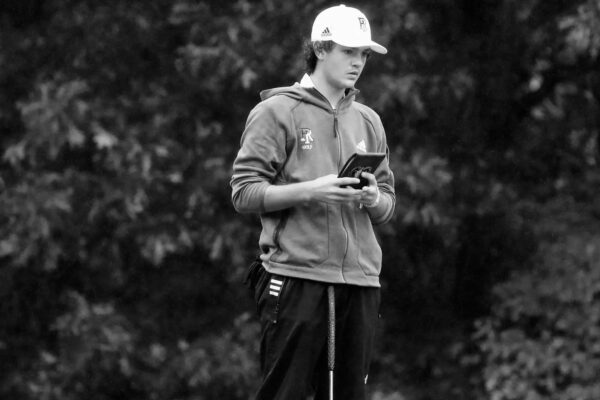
<point>336,134</point>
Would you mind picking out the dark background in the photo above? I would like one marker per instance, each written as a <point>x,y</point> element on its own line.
<point>121,257</point>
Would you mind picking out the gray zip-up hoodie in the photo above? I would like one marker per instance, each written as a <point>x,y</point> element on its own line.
<point>294,135</point>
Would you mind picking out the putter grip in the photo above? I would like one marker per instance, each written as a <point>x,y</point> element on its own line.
<point>331,330</point>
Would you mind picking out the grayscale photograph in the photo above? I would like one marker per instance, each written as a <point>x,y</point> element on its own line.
<point>318,200</point>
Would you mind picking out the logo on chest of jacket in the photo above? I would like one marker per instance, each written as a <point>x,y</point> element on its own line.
<point>306,138</point>
<point>361,146</point>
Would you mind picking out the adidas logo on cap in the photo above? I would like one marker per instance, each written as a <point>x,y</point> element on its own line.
<point>326,33</point>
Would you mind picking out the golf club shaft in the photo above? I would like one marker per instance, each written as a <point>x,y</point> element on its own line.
<point>331,337</point>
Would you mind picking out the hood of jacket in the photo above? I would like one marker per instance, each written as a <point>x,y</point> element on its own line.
<point>310,95</point>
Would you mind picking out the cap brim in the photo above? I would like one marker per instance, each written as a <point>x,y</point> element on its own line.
<point>376,47</point>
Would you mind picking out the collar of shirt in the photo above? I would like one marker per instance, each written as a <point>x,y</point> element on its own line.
<point>307,82</point>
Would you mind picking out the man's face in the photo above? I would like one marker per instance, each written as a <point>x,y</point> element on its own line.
<point>342,65</point>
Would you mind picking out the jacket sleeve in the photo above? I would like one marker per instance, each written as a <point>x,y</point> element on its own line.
<point>261,156</point>
<point>385,182</point>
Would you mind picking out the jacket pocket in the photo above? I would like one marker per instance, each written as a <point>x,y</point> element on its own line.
<point>369,252</point>
<point>253,273</point>
<point>304,238</point>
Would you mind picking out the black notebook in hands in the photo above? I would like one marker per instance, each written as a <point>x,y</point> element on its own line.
<point>359,163</point>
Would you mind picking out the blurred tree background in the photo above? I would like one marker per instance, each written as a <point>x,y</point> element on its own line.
<point>122,259</point>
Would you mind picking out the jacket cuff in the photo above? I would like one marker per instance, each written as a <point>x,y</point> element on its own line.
<point>383,212</point>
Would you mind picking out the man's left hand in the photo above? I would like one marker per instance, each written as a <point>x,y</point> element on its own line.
<point>370,194</point>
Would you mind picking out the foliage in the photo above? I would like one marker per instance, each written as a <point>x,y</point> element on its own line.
<point>542,340</point>
<point>97,345</point>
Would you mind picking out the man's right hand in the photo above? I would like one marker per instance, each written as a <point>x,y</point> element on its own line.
<point>325,189</point>
<point>328,189</point>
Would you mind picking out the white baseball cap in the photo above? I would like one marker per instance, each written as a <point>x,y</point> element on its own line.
<point>346,26</point>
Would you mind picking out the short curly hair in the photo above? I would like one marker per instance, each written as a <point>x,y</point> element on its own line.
<point>310,58</point>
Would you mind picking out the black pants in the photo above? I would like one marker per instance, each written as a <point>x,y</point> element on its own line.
<point>293,359</point>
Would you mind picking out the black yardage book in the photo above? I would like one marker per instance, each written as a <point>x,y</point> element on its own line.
<point>358,163</point>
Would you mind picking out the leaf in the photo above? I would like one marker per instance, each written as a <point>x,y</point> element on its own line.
<point>9,246</point>
<point>75,137</point>
<point>103,138</point>
<point>15,153</point>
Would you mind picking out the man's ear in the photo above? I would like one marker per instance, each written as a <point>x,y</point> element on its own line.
<point>319,51</point>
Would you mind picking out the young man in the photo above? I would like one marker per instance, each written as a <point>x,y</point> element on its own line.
<point>316,230</point>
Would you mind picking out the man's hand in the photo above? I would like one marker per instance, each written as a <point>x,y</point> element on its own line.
<point>369,194</point>
<point>328,189</point>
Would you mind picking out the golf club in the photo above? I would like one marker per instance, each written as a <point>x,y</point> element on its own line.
<point>331,337</point>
